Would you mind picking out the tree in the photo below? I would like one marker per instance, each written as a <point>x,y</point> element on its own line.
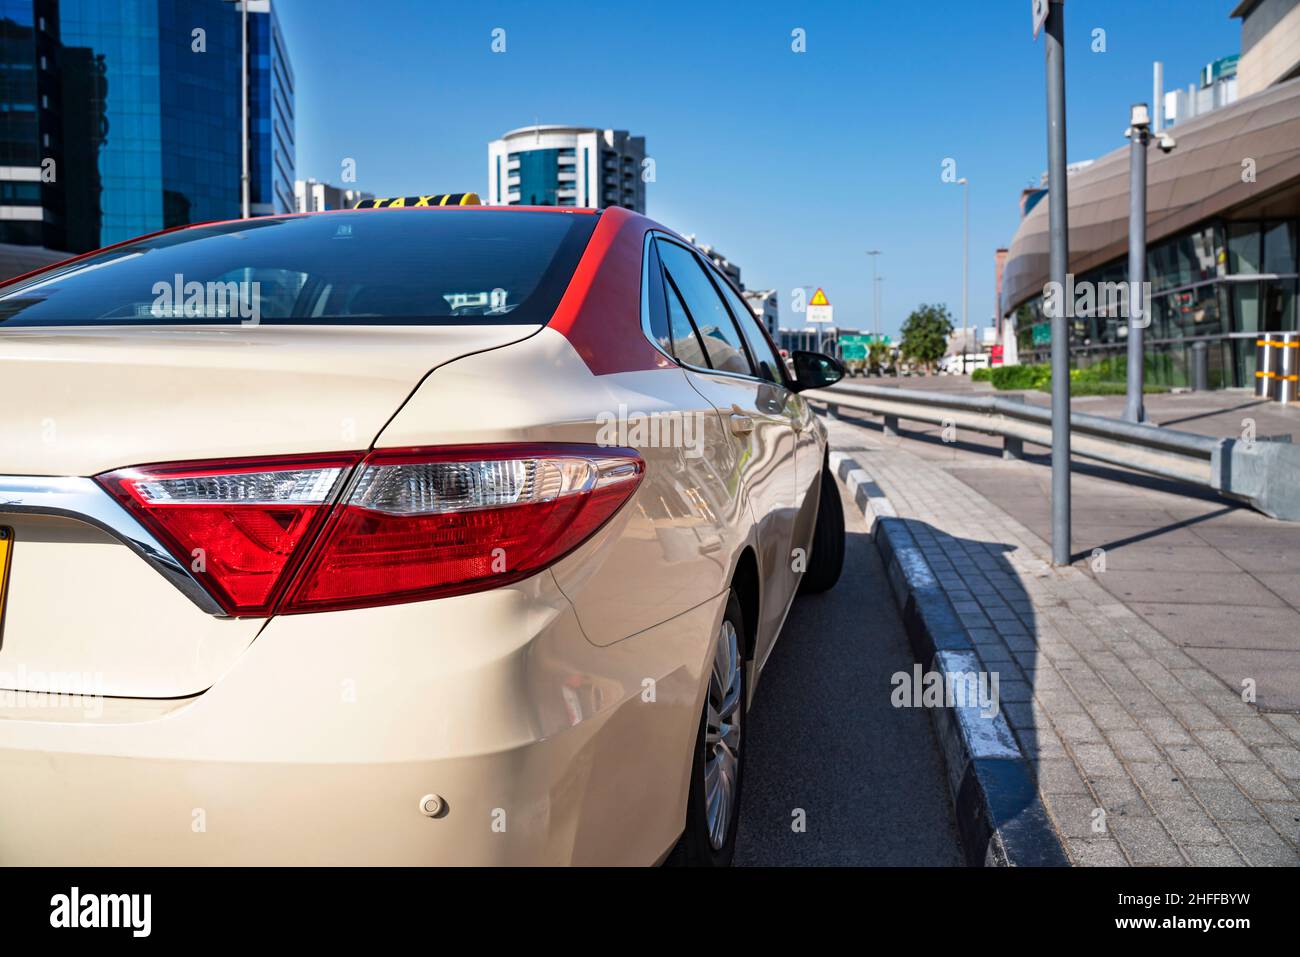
<point>877,357</point>
<point>925,334</point>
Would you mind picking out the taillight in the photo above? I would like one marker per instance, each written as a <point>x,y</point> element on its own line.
<point>425,523</point>
<point>240,526</point>
<point>413,524</point>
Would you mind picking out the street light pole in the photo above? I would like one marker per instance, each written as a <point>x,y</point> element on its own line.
<point>1059,260</point>
<point>1139,126</point>
<point>875,306</point>
<point>244,197</point>
<point>965,264</point>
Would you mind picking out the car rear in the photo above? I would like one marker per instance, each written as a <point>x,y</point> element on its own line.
<point>275,594</point>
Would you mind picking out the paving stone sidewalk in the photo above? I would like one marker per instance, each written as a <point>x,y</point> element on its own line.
<point>1143,756</point>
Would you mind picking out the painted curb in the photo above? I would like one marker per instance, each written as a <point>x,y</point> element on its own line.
<point>1000,818</point>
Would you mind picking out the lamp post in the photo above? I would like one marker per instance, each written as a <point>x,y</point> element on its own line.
<point>875,305</point>
<point>965,265</point>
<point>245,198</point>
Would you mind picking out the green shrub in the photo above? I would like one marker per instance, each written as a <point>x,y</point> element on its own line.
<point>1096,379</point>
<point>1020,377</point>
<point>981,375</point>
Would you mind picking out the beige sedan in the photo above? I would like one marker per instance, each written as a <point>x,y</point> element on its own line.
<point>450,535</point>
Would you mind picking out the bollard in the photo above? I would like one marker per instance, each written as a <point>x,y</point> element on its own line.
<point>1265,356</point>
<point>1200,367</point>
<point>1286,346</point>
<point>891,425</point>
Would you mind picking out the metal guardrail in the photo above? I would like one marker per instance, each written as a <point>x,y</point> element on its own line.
<point>1263,473</point>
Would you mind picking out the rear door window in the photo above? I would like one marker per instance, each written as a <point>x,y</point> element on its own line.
<point>721,339</point>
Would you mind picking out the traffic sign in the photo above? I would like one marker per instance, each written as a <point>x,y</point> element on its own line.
<point>819,308</point>
<point>853,347</point>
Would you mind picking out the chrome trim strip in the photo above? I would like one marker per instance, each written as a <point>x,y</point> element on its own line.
<point>83,500</point>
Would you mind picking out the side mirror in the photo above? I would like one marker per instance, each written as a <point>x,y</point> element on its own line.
<point>812,370</point>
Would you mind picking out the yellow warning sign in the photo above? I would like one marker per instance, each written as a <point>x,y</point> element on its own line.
<point>819,298</point>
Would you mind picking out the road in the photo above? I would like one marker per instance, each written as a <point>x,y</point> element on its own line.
<point>824,738</point>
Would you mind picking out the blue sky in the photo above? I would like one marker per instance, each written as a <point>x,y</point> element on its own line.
<point>791,164</point>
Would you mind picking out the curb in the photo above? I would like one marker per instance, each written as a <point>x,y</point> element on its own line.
<point>1001,821</point>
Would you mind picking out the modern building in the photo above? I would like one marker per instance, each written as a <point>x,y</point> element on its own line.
<point>763,304</point>
<point>31,126</point>
<point>725,265</point>
<point>135,107</point>
<point>1270,44</point>
<point>1223,212</point>
<point>271,117</point>
<point>567,166</point>
<point>312,196</point>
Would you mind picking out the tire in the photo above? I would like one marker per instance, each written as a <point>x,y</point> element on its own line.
<point>698,846</point>
<point>827,559</point>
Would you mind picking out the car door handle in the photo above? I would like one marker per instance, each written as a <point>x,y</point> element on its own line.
<point>741,424</point>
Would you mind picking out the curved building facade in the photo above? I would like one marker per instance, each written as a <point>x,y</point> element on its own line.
<point>1223,209</point>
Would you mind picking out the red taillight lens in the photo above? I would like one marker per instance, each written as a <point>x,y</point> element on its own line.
<point>240,526</point>
<point>427,523</point>
<point>415,524</point>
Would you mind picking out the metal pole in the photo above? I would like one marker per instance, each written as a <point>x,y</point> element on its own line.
<point>1137,258</point>
<point>875,306</point>
<point>244,198</point>
<point>1059,230</point>
<point>965,266</point>
<point>1158,97</point>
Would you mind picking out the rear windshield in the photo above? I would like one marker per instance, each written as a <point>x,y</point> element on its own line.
<point>387,267</point>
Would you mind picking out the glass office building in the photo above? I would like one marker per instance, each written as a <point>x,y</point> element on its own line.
<point>271,153</point>
<point>1220,283</point>
<point>145,113</point>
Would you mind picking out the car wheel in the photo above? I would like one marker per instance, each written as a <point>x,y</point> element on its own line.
<point>827,559</point>
<point>713,806</point>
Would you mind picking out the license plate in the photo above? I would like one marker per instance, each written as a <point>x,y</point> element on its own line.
<point>6,549</point>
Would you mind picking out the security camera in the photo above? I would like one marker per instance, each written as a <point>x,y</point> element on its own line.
<point>1166,143</point>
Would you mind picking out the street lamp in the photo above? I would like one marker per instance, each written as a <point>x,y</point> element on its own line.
<point>245,179</point>
<point>1139,315</point>
<point>965,264</point>
<point>875,306</point>
<point>879,301</point>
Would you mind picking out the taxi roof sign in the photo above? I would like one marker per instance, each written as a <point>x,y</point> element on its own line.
<point>819,298</point>
<point>434,199</point>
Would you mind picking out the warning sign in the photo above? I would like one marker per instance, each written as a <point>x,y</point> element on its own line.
<point>819,308</point>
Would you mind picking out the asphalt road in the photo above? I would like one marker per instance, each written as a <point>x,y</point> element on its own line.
<point>823,737</point>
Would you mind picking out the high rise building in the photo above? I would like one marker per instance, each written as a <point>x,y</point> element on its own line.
<point>31,125</point>
<point>567,166</point>
<point>123,117</point>
<point>270,101</point>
